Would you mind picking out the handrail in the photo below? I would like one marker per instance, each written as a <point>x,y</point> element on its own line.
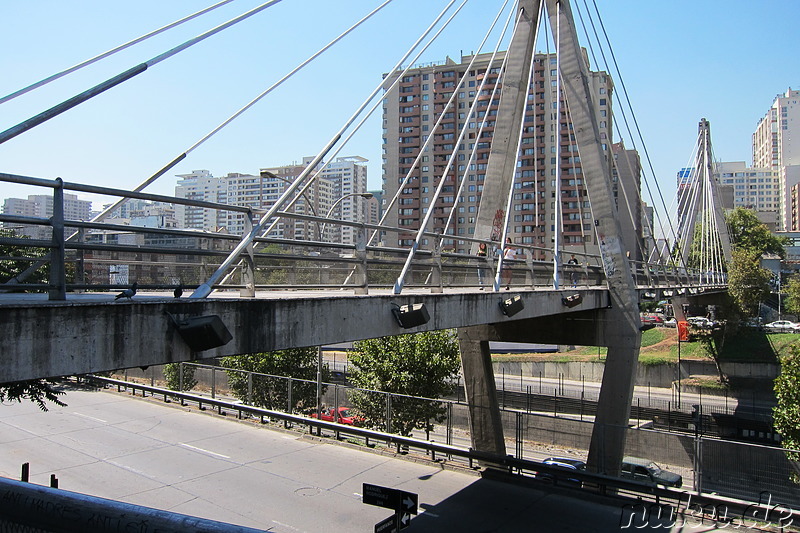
<point>100,255</point>
<point>109,191</point>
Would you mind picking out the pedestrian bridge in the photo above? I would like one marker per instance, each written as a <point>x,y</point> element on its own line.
<point>316,294</point>
<point>191,294</point>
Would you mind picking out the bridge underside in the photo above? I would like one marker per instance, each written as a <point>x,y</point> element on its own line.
<point>45,339</point>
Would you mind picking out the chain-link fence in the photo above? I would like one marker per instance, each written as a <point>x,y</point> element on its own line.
<point>709,464</point>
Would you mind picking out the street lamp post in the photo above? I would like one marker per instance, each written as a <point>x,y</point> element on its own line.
<point>365,195</point>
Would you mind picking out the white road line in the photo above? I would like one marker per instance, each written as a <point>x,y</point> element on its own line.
<point>285,525</point>
<point>129,469</point>
<point>202,450</point>
<point>91,418</point>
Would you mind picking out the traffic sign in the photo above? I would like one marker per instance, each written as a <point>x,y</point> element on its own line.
<point>389,498</point>
<point>394,523</point>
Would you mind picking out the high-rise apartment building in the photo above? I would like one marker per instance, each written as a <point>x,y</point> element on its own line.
<point>314,201</point>
<point>412,108</point>
<point>757,189</point>
<point>334,192</point>
<point>201,185</point>
<point>776,145</point>
<point>145,213</point>
<point>625,175</point>
<point>41,206</point>
<point>348,175</point>
<point>775,141</point>
<point>794,206</point>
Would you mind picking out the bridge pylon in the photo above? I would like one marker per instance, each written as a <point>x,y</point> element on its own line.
<point>620,323</point>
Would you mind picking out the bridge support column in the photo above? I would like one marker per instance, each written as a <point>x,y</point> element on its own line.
<point>486,426</point>
<point>607,447</point>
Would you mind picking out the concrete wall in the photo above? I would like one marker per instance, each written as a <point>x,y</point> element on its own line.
<point>655,375</point>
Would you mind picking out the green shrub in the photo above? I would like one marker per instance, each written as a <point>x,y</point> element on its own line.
<point>172,373</point>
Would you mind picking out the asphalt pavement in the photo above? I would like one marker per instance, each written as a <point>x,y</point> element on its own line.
<point>172,458</point>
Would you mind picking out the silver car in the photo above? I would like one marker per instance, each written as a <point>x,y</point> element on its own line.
<point>782,326</point>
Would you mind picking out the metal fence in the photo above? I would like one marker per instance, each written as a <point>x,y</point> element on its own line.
<point>709,464</point>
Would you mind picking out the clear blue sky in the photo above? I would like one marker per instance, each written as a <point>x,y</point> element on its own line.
<point>680,61</point>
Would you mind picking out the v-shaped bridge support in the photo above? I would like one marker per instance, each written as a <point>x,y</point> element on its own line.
<point>620,323</point>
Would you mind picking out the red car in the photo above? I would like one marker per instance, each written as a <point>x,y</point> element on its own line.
<point>648,318</point>
<point>345,416</point>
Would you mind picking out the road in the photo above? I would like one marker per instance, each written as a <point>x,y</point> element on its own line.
<point>164,456</point>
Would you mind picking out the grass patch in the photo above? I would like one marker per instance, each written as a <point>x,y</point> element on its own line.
<point>654,336</point>
<point>660,345</point>
<point>654,360</point>
<point>705,382</point>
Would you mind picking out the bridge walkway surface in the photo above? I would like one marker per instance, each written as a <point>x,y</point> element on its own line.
<point>166,457</point>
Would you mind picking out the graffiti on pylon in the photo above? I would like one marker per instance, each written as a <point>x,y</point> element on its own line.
<point>497,225</point>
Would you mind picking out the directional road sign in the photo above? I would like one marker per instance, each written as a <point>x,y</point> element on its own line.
<point>400,501</point>
<point>394,523</point>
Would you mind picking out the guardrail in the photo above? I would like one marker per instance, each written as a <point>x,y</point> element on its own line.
<point>700,506</point>
<point>101,256</point>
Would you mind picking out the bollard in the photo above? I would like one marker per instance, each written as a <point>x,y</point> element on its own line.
<point>53,481</point>
<point>26,468</point>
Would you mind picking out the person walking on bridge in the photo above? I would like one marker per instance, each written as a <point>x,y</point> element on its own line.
<point>509,255</point>
<point>481,263</point>
<point>573,273</point>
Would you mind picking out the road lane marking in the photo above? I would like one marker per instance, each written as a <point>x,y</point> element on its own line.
<point>201,450</point>
<point>91,418</point>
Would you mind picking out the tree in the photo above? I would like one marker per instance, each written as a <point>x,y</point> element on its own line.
<point>747,232</point>
<point>172,373</point>
<point>710,246</point>
<point>792,290</point>
<point>417,365</point>
<point>35,390</point>
<point>17,259</point>
<point>786,413</point>
<point>748,283</point>
<point>272,391</point>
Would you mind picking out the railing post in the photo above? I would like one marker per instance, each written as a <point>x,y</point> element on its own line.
<point>248,262</point>
<point>180,378</point>
<point>436,272</point>
<point>289,395</point>
<point>361,280</point>
<point>80,267</point>
<point>530,276</point>
<point>388,413</point>
<point>249,388</point>
<point>213,383</point>
<point>58,277</point>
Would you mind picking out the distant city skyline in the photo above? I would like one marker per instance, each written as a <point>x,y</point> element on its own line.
<point>680,62</point>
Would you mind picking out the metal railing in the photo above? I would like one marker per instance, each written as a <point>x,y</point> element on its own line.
<point>99,256</point>
<point>712,469</point>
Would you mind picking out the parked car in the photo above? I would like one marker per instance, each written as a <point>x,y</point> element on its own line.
<point>647,471</point>
<point>345,416</point>
<point>782,326</point>
<point>562,462</point>
<point>700,322</point>
<point>650,318</point>
<point>671,323</point>
<point>754,323</point>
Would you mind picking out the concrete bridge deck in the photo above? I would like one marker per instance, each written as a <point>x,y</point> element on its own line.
<point>92,332</point>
